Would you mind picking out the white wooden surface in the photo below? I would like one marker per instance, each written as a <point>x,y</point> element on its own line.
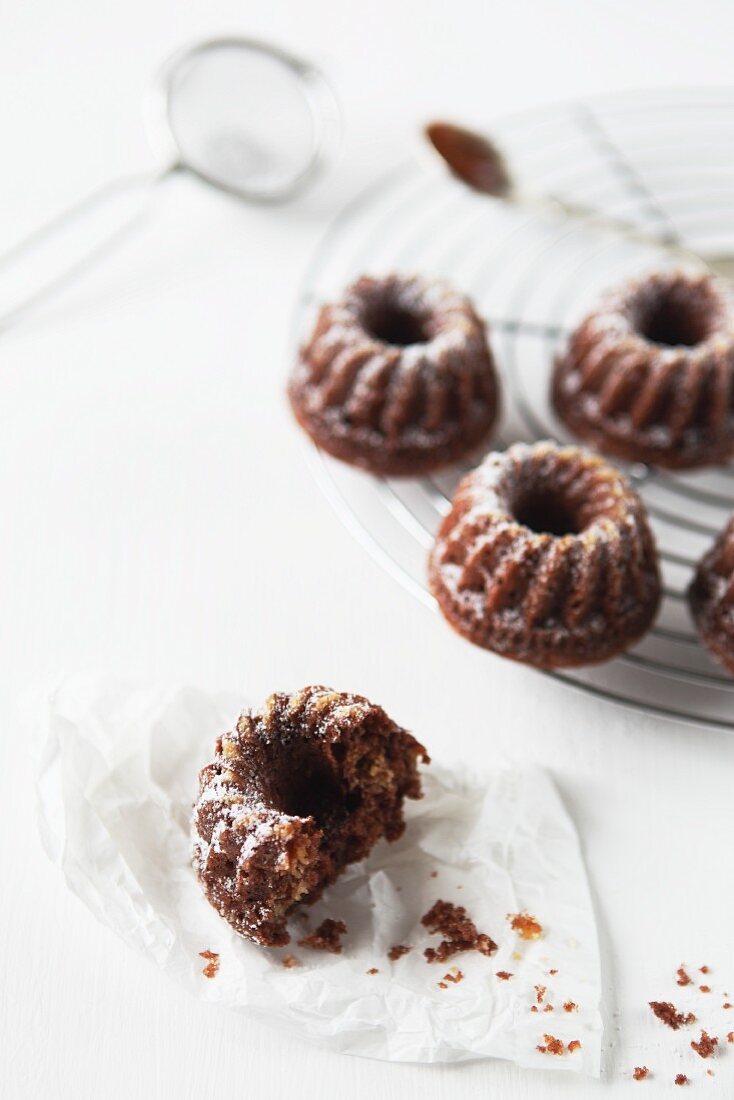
<point>158,519</point>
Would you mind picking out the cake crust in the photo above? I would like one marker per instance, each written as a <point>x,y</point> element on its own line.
<point>711,598</point>
<point>397,377</point>
<point>648,376</point>
<point>546,557</point>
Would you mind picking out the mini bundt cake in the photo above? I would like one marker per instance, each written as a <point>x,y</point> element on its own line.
<point>397,377</point>
<point>649,375</point>
<point>295,792</point>
<point>546,556</point>
<point>711,598</point>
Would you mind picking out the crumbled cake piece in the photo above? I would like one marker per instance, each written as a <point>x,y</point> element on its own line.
<point>212,966</point>
<point>327,937</point>
<point>552,971</point>
<point>297,791</point>
<point>459,932</point>
<point>289,962</point>
<point>726,1004</point>
<point>575,1044</point>
<point>548,1008</point>
<point>705,988</point>
<point>527,927</point>
<point>705,1046</point>
<point>730,1036</point>
<point>373,970</point>
<point>504,975</point>
<point>539,993</point>
<point>681,1079</point>
<point>640,1073</point>
<point>552,1046</point>
<point>682,978</point>
<point>398,950</point>
<point>704,969</point>
<point>668,1014</point>
<point>454,976</point>
<point>570,1006</point>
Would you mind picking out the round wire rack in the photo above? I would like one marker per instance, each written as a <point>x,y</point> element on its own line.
<point>664,161</point>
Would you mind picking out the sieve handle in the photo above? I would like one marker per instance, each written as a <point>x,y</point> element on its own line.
<point>53,256</point>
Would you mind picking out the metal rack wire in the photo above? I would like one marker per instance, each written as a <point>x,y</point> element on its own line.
<point>664,160</point>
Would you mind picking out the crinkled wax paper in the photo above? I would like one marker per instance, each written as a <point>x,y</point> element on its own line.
<point>116,782</point>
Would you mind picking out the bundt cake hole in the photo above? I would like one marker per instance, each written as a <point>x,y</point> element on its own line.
<point>312,789</point>
<point>546,513</point>
<point>674,320</point>
<point>393,323</point>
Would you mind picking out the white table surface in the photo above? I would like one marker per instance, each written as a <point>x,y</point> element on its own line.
<point>158,519</point>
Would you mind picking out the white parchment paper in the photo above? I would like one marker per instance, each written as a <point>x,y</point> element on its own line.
<point>116,782</point>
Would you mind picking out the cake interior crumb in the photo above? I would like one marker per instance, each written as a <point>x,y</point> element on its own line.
<point>668,1014</point>
<point>458,930</point>
<point>398,950</point>
<point>212,966</point>
<point>327,936</point>
<point>527,927</point>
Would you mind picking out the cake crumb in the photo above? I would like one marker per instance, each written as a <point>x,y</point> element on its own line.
<point>575,1044</point>
<point>640,1073</point>
<point>570,1006</point>
<point>682,978</point>
<point>533,1008</point>
<point>459,932</point>
<point>681,1079</point>
<point>397,951</point>
<point>434,874</point>
<point>517,956</point>
<point>726,1004</point>
<point>539,993</point>
<point>668,1014</point>
<point>373,970</point>
<point>212,966</point>
<point>552,1046</point>
<point>705,988</point>
<point>289,961</point>
<point>527,927</point>
<point>327,936</point>
<point>552,972</point>
<point>703,969</point>
<point>454,976</point>
<point>705,1046</point>
<point>504,975</point>
<point>730,1036</point>
<point>710,1073</point>
<point>548,1008</point>
<point>442,985</point>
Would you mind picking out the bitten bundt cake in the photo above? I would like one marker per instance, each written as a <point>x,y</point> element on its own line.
<point>397,377</point>
<point>649,375</point>
<point>296,791</point>
<point>546,556</point>
<point>711,598</point>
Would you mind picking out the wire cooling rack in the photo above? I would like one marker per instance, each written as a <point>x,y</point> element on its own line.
<point>664,161</point>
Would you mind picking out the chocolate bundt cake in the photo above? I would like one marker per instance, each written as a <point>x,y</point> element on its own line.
<point>295,792</point>
<point>546,557</point>
<point>711,598</point>
<point>649,375</point>
<point>397,377</point>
